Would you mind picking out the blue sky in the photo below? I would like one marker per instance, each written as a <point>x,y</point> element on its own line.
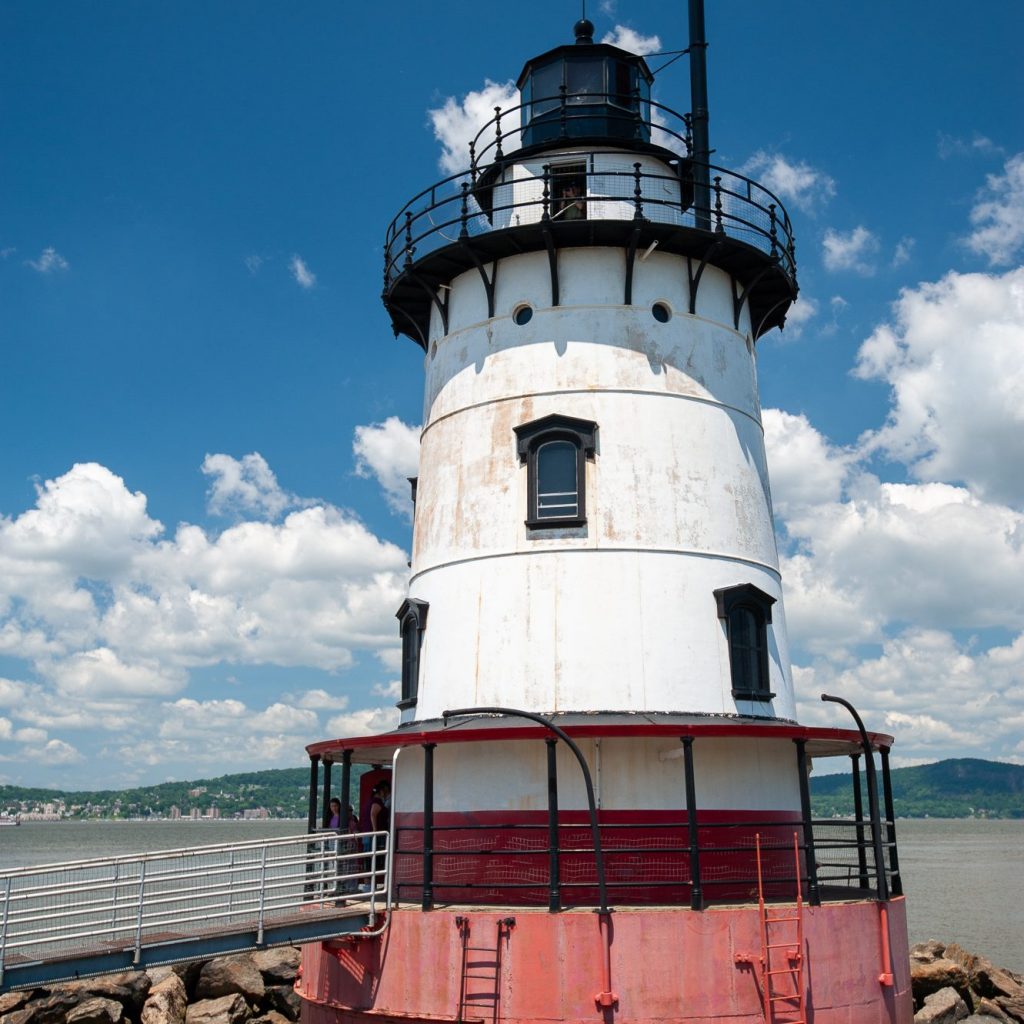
<point>207,424</point>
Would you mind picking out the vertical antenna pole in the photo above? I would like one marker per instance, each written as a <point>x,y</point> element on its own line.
<point>699,113</point>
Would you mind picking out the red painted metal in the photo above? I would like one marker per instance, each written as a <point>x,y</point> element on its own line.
<point>500,858</point>
<point>791,950</point>
<point>667,966</point>
<point>821,742</point>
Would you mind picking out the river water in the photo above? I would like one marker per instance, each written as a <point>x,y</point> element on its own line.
<point>962,878</point>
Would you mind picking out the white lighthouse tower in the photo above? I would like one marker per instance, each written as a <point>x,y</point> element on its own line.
<point>597,702</point>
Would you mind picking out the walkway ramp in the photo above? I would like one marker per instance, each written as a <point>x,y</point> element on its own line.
<point>83,918</point>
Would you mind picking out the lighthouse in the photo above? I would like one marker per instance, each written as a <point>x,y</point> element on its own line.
<point>600,800</point>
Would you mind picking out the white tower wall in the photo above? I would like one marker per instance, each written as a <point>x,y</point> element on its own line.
<point>677,495</point>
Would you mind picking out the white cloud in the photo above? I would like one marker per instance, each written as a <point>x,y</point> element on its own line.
<point>317,700</point>
<point>363,722</point>
<point>792,181</point>
<point>245,486</point>
<point>30,735</point>
<point>253,262</point>
<point>800,314</point>
<point>110,616</point>
<point>850,251</point>
<point>979,145</point>
<point>49,261</point>
<point>904,250</point>
<point>7,250</point>
<point>998,215</point>
<point>389,452</point>
<point>53,752</point>
<point>392,690</point>
<point>304,277</point>
<point>629,39</point>
<point>952,356</point>
<point>6,729</point>
<point>456,123</point>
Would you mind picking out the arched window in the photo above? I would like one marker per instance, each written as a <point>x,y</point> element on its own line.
<point>412,619</point>
<point>555,450</point>
<point>747,613</point>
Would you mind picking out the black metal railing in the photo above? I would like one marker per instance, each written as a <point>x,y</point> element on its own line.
<point>654,183</point>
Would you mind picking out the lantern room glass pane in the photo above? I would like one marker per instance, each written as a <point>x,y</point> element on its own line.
<point>623,84</point>
<point>585,80</point>
<point>557,483</point>
<point>546,85</point>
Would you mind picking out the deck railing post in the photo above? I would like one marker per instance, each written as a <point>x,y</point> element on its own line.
<point>346,785</point>
<point>858,814</point>
<point>696,891</point>
<point>554,873</point>
<point>314,772</point>
<point>113,900</point>
<point>325,816</point>
<point>813,894</point>
<point>263,894</point>
<point>428,826</point>
<point>890,823</point>
<point>3,926</point>
<point>138,916</point>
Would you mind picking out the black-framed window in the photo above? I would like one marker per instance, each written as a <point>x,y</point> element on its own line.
<point>412,620</point>
<point>555,450</point>
<point>747,612</point>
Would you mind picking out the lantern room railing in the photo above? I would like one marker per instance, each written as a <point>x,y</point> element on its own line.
<point>630,165</point>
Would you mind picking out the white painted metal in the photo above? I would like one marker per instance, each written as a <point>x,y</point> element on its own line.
<point>731,774</point>
<point>618,614</point>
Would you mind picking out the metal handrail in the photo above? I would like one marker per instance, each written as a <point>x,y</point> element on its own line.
<point>56,909</point>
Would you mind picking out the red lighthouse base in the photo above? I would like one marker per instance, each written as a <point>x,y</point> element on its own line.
<point>667,965</point>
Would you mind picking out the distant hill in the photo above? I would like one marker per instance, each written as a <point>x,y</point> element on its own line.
<point>283,792</point>
<point>958,788</point>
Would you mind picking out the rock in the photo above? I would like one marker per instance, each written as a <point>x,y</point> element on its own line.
<point>272,1017</point>
<point>51,1009</point>
<point>23,1016</point>
<point>985,1007</point>
<point>129,988</point>
<point>1013,1006</point>
<point>985,978</point>
<point>231,1009</point>
<point>228,975</point>
<point>284,1000</point>
<point>928,951</point>
<point>96,1010</point>
<point>931,976</point>
<point>11,1001</point>
<point>278,966</point>
<point>167,1002</point>
<point>942,1007</point>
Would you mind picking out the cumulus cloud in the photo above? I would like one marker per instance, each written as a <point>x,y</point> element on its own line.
<point>456,123</point>
<point>853,250</point>
<point>951,356</point>
<point>110,616</point>
<point>793,181</point>
<point>364,722</point>
<point>390,453</point>
<point>626,38</point>
<point>903,251</point>
<point>979,145</point>
<point>49,262</point>
<point>253,262</point>
<point>245,486</point>
<point>304,277</point>
<point>998,215</point>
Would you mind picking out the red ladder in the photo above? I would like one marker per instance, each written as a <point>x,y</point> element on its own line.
<point>780,945</point>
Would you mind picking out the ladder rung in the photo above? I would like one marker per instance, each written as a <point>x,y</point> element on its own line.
<point>777,920</point>
<point>783,945</point>
<point>785,970</point>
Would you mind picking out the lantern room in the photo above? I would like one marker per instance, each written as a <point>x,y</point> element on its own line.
<point>604,91</point>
